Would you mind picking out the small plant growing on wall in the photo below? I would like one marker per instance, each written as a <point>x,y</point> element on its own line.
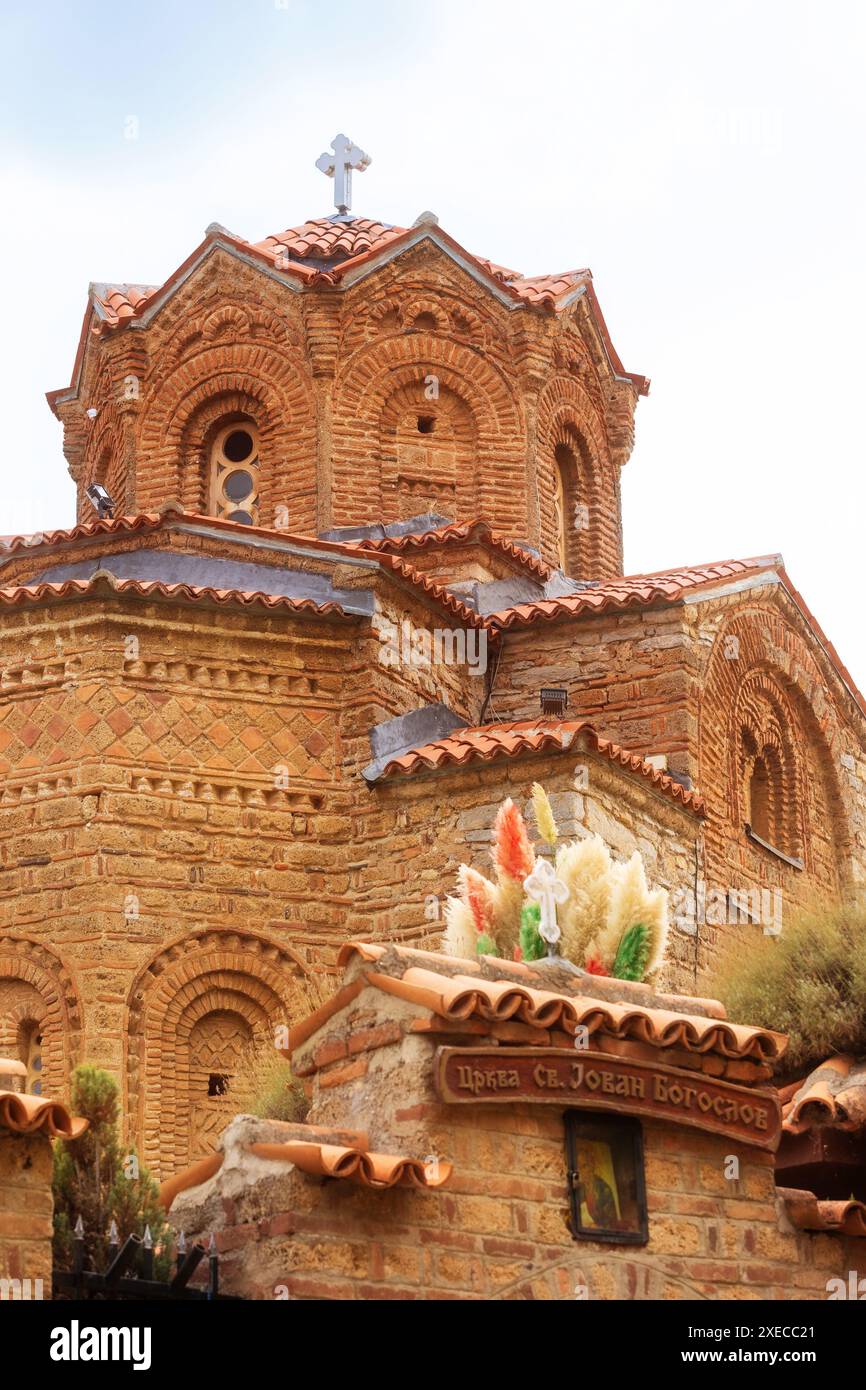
<point>99,1182</point>
<point>274,1092</point>
<point>601,914</point>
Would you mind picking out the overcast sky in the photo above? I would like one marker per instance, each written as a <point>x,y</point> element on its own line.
<point>706,160</point>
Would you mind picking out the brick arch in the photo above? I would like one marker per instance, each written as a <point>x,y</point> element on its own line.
<point>210,973</point>
<point>428,472</point>
<point>104,460</point>
<point>625,1273</point>
<point>763,733</point>
<point>197,436</point>
<point>35,984</point>
<point>567,416</point>
<point>760,675</point>
<point>363,412</point>
<point>272,386</point>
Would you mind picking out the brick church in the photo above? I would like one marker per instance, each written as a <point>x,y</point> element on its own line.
<point>347,571</point>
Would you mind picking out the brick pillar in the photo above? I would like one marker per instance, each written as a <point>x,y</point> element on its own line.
<point>26,1212</point>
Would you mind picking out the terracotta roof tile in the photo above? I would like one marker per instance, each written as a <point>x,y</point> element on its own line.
<point>807,1213</point>
<point>458,533</point>
<point>26,1114</point>
<point>638,590</point>
<point>469,997</point>
<point>496,1001</point>
<point>523,972</point>
<point>324,239</point>
<point>103,582</point>
<point>152,521</point>
<point>834,1094</point>
<point>194,1176</point>
<point>116,303</point>
<point>487,742</point>
<point>356,1165</point>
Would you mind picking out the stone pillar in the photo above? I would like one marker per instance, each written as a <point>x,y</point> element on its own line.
<point>26,1214</point>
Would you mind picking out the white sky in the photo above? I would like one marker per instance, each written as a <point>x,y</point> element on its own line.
<point>706,160</point>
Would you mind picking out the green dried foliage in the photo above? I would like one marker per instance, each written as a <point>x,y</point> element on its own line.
<point>532,944</point>
<point>809,982</point>
<point>94,1178</point>
<point>633,954</point>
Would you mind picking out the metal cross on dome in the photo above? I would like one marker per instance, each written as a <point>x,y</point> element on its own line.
<point>339,165</point>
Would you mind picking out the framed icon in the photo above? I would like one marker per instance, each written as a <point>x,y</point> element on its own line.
<point>606,1185</point>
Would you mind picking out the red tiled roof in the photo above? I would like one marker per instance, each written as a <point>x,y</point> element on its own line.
<point>637,590</point>
<point>807,1213</point>
<point>487,742</point>
<point>356,1165</point>
<point>156,521</point>
<point>832,1095</point>
<point>323,239</point>
<point>670,586</point>
<point>296,251</point>
<point>458,533</point>
<point>120,302</point>
<point>26,1114</point>
<point>461,997</point>
<point>103,582</point>
<point>466,996</point>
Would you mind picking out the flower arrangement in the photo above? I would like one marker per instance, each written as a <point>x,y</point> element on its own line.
<point>604,916</point>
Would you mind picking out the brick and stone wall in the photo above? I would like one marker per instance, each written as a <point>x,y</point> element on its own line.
<point>497,1228</point>
<point>412,834</point>
<point>337,382</point>
<point>26,1209</point>
<point>685,682</point>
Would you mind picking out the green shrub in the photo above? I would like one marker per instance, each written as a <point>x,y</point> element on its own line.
<point>809,982</point>
<point>100,1182</point>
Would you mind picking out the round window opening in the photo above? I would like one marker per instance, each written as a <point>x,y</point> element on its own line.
<point>238,446</point>
<point>238,485</point>
<point>243,517</point>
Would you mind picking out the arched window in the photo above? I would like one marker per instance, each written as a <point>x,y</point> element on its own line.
<point>234,472</point>
<point>569,515</point>
<point>218,1046</point>
<point>759,799</point>
<point>768,768</point>
<point>30,1052</point>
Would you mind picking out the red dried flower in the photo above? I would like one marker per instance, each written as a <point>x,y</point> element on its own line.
<point>513,852</point>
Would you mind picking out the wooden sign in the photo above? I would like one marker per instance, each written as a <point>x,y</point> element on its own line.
<point>598,1081</point>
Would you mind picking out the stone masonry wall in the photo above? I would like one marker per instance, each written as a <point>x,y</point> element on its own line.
<point>26,1209</point>
<point>678,681</point>
<point>497,1229</point>
<point>411,834</point>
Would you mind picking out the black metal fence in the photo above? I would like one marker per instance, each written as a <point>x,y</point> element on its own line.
<point>129,1272</point>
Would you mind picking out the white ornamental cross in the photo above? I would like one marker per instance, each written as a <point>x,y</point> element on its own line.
<point>547,890</point>
<point>339,165</point>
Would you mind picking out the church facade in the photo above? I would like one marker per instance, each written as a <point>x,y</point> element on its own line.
<point>357,575</point>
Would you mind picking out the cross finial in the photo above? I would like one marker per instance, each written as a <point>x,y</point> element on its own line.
<point>339,165</point>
